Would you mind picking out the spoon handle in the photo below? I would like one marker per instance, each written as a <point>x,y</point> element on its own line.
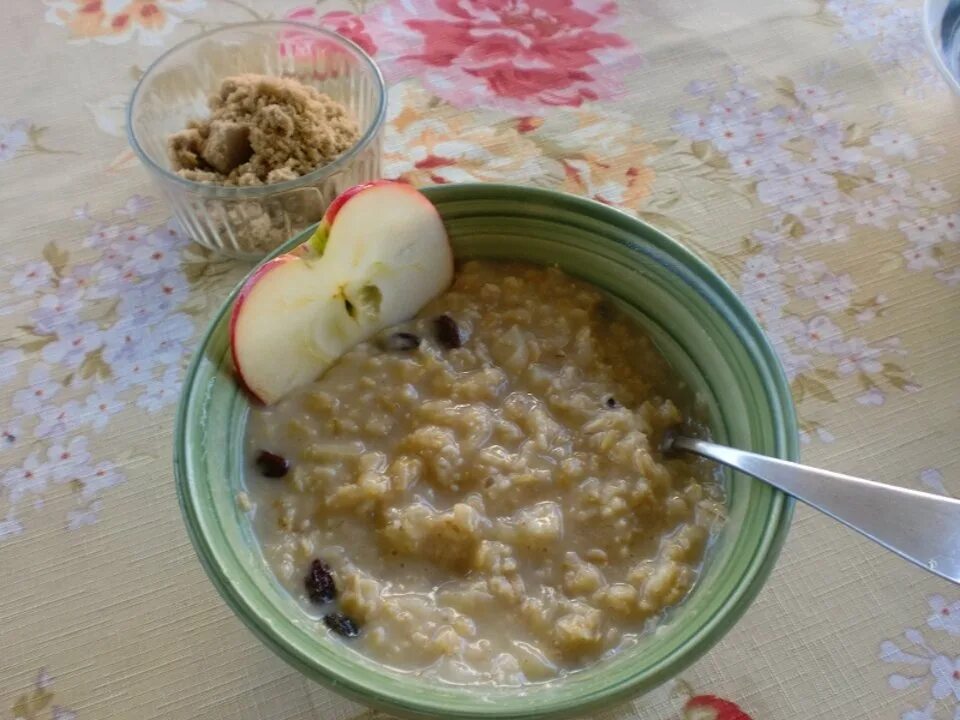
<point>920,527</point>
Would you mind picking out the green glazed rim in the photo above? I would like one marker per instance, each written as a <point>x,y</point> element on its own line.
<point>698,322</point>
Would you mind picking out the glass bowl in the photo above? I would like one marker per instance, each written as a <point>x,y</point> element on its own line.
<point>697,322</point>
<point>941,32</point>
<point>248,222</point>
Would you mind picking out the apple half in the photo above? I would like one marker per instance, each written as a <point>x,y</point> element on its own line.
<point>378,256</point>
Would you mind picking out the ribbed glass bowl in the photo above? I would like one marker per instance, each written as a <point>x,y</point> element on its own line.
<point>698,323</point>
<point>249,222</point>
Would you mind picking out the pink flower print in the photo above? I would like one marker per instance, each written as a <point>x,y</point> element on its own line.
<point>513,54</point>
<point>345,24</point>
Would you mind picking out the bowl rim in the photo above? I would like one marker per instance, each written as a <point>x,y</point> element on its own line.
<point>242,193</point>
<point>413,703</point>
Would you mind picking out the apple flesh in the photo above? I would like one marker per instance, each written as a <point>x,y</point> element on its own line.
<point>379,255</point>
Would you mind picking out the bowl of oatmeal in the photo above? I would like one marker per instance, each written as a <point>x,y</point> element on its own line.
<point>250,130</point>
<point>469,515</point>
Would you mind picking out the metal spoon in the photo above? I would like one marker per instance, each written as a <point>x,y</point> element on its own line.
<point>920,527</point>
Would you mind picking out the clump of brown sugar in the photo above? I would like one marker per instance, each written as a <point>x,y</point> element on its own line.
<point>262,130</point>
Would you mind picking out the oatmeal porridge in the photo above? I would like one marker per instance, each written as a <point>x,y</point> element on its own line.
<point>478,494</point>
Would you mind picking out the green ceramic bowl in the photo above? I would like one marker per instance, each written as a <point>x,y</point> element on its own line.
<point>699,324</point>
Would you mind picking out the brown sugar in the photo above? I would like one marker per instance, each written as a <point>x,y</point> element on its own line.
<point>262,130</point>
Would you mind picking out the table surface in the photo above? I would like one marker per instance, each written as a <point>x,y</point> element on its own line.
<point>805,149</point>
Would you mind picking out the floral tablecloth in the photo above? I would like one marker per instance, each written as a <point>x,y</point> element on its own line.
<point>806,149</point>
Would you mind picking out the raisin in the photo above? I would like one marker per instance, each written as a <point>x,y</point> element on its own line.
<point>341,624</point>
<point>272,465</point>
<point>319,583</point>
<point>400,341</point>
<point>447,332</point>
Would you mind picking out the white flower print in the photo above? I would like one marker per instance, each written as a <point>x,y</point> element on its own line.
<point>819,333</point>
<point>57,309</point>
<point>873,396</point>
<point>9,364</point>
<point>103,476</point>
<point>833,156</point>
<point>56,420</point>
<point>69,460</point>
<point>946,675</point>
<point>79,518</point>
<point>31,276</point>
<point>874,214</point>
<point>728,133</point>
<point>97,408</point>
<point>948,226</point>
<point>921,231</point>
<point>830,291</point>
<point>920,258</point>
<point>13,137</point>
<point>135,205</point>
<point>72,345</point>
<point>691,125</point>
<point>949,277</point>
<point>895,143</point>
<point>30,478</point>
<point>855,355</point>
<point>160,391</point>
<point>41,388</point>
<point>10,526</point>
<point>700,87</point>
<point>892,176</point>
<point>933,191</point>
<point>944,616</point>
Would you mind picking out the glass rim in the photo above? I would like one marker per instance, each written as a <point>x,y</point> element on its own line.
<point>414,701</point>
<point>257,191</point>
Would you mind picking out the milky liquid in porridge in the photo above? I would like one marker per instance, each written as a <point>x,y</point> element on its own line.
<point>484,485</point>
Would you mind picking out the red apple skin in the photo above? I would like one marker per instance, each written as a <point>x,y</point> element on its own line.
<point>340,200</point>
<point>242,296</point>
